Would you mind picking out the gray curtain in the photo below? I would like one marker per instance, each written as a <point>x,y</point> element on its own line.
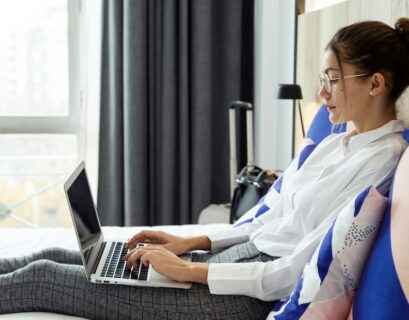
<point>170,68</point>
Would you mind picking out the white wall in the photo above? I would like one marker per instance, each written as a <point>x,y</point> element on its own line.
<point>274,63</point>
<point>91,96</point>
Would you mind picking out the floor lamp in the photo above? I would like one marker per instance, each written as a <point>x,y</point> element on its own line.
<point>291,92</point>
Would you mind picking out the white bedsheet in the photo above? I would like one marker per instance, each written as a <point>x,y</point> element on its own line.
<point>21,241</point>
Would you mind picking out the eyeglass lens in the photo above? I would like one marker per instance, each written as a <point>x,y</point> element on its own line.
<point>324,80</point>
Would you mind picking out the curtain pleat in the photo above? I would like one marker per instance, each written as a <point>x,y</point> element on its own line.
<point>170,69</point>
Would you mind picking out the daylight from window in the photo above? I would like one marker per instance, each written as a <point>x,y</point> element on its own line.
<point>34,82</point>
<point>33,58</point>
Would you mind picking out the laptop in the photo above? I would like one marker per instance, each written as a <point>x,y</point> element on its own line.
<point>103,260</point>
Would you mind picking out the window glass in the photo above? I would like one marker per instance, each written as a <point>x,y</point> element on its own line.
<point>33,58</point>
<point>33,169</point>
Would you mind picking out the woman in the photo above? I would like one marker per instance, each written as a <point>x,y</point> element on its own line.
<point>365,70</point>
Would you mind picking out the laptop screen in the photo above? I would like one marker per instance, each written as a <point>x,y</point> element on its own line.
<point>84,213</point>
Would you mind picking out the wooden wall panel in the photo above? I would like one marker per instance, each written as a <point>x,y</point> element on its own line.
<point>399,8</point>
<point>308,51</point>
<point>315,29</point>
<point>359,10</point>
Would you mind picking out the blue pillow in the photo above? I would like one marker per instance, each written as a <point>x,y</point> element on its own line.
<point>384,287</point>
<point>328,283</point>
<point>321,127</point>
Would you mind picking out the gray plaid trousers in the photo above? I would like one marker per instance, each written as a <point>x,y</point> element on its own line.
<point>53,280</point>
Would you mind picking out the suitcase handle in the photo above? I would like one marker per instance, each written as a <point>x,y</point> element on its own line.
<point>241,105</point>
<point>236,105</point>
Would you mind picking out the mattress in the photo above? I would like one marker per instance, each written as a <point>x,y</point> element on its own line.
<point>21,241</point>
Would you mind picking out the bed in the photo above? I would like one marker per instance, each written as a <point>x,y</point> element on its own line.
<point>20,241</point>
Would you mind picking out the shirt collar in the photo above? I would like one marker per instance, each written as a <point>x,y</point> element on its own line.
<point>353,141</point>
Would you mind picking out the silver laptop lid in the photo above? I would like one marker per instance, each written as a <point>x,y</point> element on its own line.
<point>84,216</point>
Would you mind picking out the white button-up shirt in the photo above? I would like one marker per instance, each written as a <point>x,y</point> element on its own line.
<point>339,168</point>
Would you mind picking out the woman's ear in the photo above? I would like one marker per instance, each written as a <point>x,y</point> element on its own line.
<point>378,84</point>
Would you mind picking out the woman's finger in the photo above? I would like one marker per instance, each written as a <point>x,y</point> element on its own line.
<point>132,257</point>
<point>149,236</point>
<point>139,237</point>
<point>145,259</point>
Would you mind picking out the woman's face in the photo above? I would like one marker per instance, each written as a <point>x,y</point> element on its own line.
<point>347,99</point>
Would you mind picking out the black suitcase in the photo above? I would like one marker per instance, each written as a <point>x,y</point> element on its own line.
<point>246,186</point>
<point>252,182</point>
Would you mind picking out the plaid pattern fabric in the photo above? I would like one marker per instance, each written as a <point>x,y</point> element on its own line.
<point>53,254</point>
<point>53,281</point>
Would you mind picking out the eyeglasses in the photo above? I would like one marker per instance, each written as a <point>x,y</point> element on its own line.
<point>327,81</point>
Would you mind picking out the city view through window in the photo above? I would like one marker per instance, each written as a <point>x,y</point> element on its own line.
<point>34,84</point>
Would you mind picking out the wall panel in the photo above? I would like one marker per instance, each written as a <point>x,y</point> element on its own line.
<point>359,10</point>
<point>315,29</point>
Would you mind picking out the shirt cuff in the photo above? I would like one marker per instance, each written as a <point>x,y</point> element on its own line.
<point>227,238</point>
<point>236,278</point>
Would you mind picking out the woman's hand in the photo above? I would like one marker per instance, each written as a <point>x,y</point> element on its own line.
<point>177,245</point>
<point>168,264</point>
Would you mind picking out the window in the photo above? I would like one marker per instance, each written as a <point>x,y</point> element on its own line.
<point>41,112</point>
<point>312,5</point>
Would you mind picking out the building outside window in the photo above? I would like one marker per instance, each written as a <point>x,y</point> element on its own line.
<point>41,109</point>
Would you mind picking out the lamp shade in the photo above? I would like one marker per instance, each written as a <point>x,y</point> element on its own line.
<point>288,91</point>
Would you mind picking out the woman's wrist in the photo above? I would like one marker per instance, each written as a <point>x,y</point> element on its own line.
<point>197,272</point>
<point>198,243</point>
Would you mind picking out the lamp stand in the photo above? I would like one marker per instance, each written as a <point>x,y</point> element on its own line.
<point>301,120</point>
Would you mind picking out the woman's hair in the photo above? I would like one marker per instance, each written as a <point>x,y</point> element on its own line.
<point>373,46</point>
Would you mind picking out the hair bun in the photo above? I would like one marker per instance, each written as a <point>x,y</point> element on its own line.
<point>402,31</point>
<point>402,26</point>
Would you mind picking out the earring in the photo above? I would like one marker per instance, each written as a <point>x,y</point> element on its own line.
<point>371,93</point>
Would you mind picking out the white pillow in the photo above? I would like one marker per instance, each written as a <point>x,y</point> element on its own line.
<point>328,283</point>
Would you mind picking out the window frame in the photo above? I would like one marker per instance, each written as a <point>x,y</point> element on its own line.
<point>73,123</point>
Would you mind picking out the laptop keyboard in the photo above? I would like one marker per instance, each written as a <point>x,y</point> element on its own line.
<point>115,265</point>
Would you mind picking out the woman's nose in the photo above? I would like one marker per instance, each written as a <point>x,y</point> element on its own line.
<point>323,93</point>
